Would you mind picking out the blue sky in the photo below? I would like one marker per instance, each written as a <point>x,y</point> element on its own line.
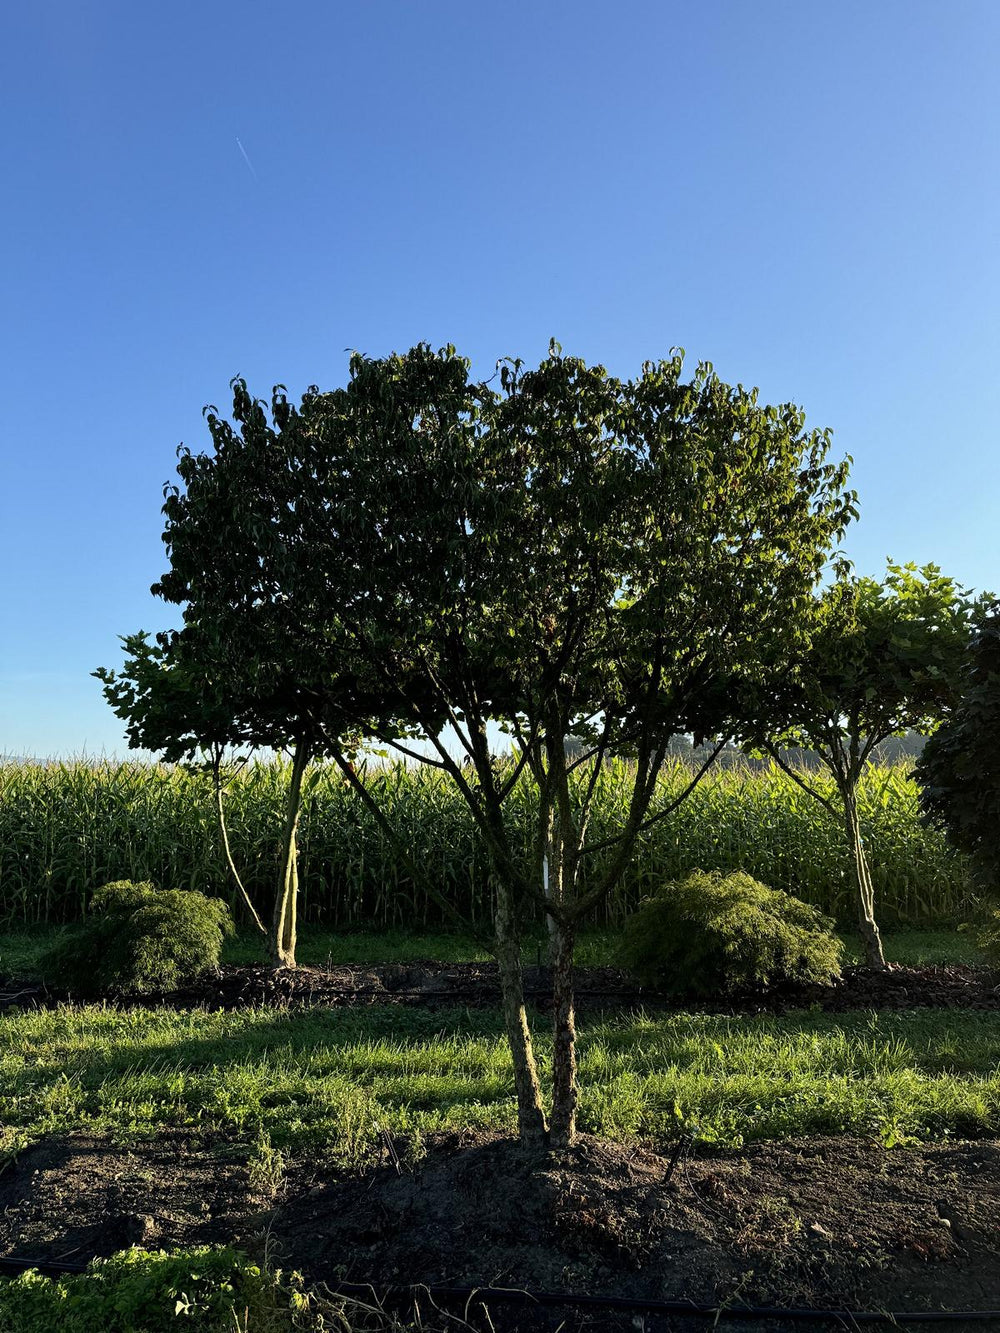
<point>806,194</point>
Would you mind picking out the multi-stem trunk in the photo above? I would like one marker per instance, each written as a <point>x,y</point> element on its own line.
<point>564,1090</point>
<point>530,1114</point>
<point>561,840</point>
<point>548,886</point>
<point>283,927</point>
<point>871,940</point>
<point>562,845</point>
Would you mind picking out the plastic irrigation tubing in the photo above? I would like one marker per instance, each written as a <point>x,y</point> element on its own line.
<point>15,1264</point>
<point>625,1304</point>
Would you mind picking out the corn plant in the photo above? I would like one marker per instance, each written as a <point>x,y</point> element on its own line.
<point>67,828</point>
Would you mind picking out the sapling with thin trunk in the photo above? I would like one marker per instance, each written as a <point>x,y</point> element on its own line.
<point>879,658</point>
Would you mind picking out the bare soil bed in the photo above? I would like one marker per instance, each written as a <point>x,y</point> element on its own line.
<point>76,1197</point>
<point>961,986</point>
<point>821,1222</point>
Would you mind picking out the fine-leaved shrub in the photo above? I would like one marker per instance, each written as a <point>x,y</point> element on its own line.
<point>137,940</point>
<point>711,934</point>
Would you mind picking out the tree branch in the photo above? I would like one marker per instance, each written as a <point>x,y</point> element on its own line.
<point>410,754</point>
<point>385,824</point>
<point>660,814</point>
<point>217,783</point>
<point>797,778</point>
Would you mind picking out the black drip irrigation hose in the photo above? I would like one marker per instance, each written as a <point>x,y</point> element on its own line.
<point>630,1305</point>
<point>468,1296</point>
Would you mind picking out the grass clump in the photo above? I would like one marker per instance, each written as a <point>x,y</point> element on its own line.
<point>139,940</point>
<point>712,934</point>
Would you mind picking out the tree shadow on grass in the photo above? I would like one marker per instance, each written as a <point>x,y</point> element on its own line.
<point>333,1080</point>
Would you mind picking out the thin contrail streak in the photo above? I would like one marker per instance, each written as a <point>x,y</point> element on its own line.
<point>246,159</point>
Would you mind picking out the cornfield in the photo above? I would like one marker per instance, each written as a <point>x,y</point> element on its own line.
<point>67,828</point>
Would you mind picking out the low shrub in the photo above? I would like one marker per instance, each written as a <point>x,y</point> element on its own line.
<point>136,1290</point>
<point>711,934</point>
<point>202,1290</point>
<point>137,940</point>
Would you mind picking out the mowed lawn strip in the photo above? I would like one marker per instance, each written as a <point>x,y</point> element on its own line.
<point>334,1081</point>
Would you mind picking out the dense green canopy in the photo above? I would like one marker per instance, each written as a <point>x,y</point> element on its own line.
<point>419,556</point>
<point>959,769</point>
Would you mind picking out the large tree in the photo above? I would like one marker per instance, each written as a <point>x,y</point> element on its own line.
<point>880,658</point>
<point>558,555</point>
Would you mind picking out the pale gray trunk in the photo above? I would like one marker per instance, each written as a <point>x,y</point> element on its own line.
<point>220,811</point>
<point>871,940</point>
<point>284,925</point>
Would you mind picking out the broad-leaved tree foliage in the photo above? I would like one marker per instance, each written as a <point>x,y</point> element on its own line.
<point>959,769</point>
<point>196,696</point>
<point>556,553</point>
<point>236,677</point>
<point>881,658</point>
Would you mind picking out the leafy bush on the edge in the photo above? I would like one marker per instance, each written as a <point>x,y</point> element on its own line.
<point>711,934</point>
<point>958,772</point>
<point>138,939</point>
<point>202,1289</point>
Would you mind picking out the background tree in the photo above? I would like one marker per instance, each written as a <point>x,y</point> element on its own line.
<point>561,555</point>
<point>959,769</point>
<point>243,673</point>
<point>178,710</point>
<point>189,705</point>
<point>233,677</point>
<point>881,659</point>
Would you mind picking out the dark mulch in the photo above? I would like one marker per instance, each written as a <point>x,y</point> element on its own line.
<point>824,1222</point>
<point>829,1223</point>
<point>955,986</point>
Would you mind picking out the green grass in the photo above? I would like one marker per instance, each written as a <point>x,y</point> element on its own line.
<point>330,1081</point>
<point>921,946</point>
<point>595,948</point>
<point>21,950</point>
<point>319,947</point>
